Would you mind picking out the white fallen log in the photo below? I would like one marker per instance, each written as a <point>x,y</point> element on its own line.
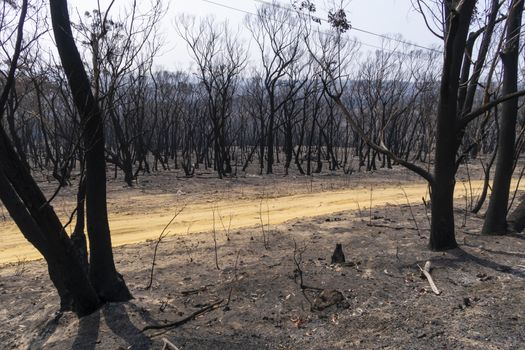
<point>426,272</point>
<point>168,345</point>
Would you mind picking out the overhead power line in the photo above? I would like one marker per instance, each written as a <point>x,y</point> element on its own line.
<point>327,33</point>
<point>352,27</point>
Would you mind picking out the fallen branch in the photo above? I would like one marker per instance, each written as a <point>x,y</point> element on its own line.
<point>169,345</point>
<point>426,272</point>
<point>187,318</point>
<point>195,291</point>
<point>392,227</point>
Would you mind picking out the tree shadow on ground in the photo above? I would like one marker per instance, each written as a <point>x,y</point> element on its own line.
<point>500,252</point>
<point>46,332</point>
<point>116,317</point>
<point>461,257</point>
<point>87,334</point>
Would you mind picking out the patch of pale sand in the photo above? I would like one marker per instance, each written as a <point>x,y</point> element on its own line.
<point>198,216</point>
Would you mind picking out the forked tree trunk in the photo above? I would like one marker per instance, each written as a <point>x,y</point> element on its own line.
<point>34,215</point>
<point>65,271</point>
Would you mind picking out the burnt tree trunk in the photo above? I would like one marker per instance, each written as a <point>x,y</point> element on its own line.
<point>442,235</point>
<point>108,284</point>
<point>79,237</point>
<point>496,216</point>
<point>35,217</point>
<point>41,227</point>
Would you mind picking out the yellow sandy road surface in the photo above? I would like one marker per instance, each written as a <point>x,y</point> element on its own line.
<point>198,217</point>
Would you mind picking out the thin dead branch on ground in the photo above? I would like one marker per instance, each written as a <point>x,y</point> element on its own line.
<point>215,247</point>
<point>189,249</point>
<point>162,235</point>
<point>426,205</point>
<point>391,227</point>
<point>265,232</point>
<point>195,291</point>
<point>370,208</point>
<point>411,212</point>
<point>168,345</point>
<point>192,316</point>
<point>225,229</point>
<point>298,273</point>
<point>359,210</point>
<point>234,280</point>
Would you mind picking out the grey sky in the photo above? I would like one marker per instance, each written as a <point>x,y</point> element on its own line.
<point>380,16</point>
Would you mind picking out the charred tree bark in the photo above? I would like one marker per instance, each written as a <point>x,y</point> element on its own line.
<point>34,215</point>
<point>79,237</point>
<point>45,233</point>
<point>496,217</point>
<point>442,236</point>
<point>108,284</point>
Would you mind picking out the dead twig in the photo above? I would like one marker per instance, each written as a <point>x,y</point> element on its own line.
<point>359,210</point>
<point>189,249</point>
<point>235,277</point>
<point>298,260</point>
<point>195,291</point>
<point>162,235</point>
<point>427,205</point>
<point>215,247</point>
<point>370,208</point>
<point>411,211</point>
<point>391,227</point>
<point>265,232</point>
<point>186,319</point>
<point>226,230</point>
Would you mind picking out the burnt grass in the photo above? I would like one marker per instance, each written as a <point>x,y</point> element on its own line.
<point>382,300</point>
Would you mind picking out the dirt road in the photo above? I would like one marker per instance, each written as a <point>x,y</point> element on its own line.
<point>198,217</point>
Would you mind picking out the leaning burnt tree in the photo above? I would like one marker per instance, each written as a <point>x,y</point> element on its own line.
<point>454,108</point>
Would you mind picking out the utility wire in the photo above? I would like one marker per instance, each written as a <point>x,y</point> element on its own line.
<point>326,33</point>
<point>352,27</point>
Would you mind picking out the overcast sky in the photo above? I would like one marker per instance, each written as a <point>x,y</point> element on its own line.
<point>380,16</point>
